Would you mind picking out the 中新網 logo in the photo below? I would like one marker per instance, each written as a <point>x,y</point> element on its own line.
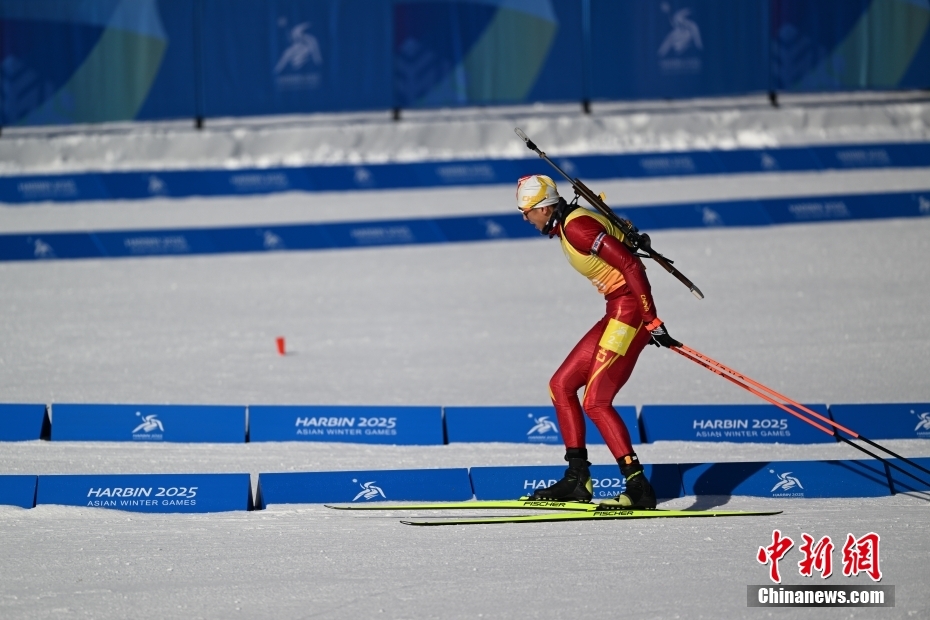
<point>859,555</point>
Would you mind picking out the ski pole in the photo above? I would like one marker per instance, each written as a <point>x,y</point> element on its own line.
<point>695,354</point>
<point>737,377</point>
<point>770,395</point>
<point>691,353</point>
<point>640,241</point>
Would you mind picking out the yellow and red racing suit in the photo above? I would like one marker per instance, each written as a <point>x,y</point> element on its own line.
<point>604,358</point>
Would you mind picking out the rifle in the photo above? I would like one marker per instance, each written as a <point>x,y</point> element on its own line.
<point>634,238</point>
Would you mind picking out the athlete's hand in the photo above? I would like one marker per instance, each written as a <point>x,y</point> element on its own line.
<point>660,337</point>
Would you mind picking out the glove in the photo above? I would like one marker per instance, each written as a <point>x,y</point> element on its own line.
<point>660,337</point>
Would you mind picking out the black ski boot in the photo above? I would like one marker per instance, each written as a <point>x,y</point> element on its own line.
<point>639,494</point>
<point>575,486</point>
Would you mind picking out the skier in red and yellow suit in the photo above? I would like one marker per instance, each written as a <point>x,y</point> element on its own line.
<point>603,360</point>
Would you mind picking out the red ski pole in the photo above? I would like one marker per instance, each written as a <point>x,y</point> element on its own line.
<point>781,401</point>
<point>734,379</point>
<point>711,364</point>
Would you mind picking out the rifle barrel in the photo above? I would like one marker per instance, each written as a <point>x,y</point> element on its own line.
<point>595,201</point>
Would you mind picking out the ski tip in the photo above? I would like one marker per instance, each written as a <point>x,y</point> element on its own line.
<point>697,292</point>
<point>742,513</point>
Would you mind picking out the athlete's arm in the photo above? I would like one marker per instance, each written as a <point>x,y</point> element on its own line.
<point>588,237</point>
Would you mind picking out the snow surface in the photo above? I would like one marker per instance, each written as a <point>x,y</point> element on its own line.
<point>828,313</point>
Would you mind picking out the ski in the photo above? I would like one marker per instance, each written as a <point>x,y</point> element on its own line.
<point>520,504</point>
<point>595,515</point>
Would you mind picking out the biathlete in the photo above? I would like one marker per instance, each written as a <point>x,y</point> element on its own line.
<point>604,358</point>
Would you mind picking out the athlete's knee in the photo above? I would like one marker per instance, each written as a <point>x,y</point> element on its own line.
<point>561,385</point>
<point>598,410</point>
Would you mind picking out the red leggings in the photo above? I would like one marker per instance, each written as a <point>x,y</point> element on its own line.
<point>601,362</point>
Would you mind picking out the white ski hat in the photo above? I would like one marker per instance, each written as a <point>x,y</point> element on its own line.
<point>536,190</point>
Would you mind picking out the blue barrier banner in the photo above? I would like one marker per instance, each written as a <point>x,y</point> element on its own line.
<point>362,176</point>
<point>266,181</point>
<point>56,188</point>
<point>248,239</point>
<point>669,164</point>
<point>507,424</point>
<point>786,159</point>
<point>270,238</point>
<point>864,156</point>
<point>580,166</point>
<point>514,482</point>
<point>155,242</point>
<point>642,217</point>
<point>187,423</point>
<point>902,483</point>
<point>657,49</point>
<point>290,56</point>
<point>135,185</point>
<point>532,424</point>
<point>917,204</point>
<point>17,490</point>
<point>52,245</point>
<point>736,423</point>
<point>436,485</point>
<point>393,232</point>
<point>465,172</point>
<point>792,479</point>
<point>49,246</point>
<point>184,183</point>
<point>21,422</point>
<point>280,237</point>
<point>354,424</point>
<point>910,153</point>
<point>486,228</point>
<point>710,215</point>
<point>873,206</point>
<point>885,421</point>
<point>164,183</point>
<point>813,209</point>
<point>149,492</point>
